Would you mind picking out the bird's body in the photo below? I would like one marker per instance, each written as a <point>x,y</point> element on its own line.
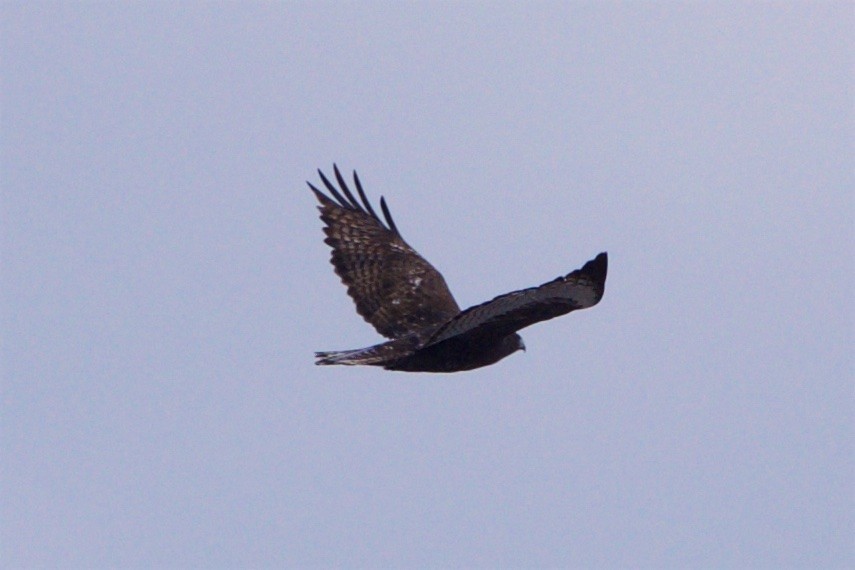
<point>407,300</point>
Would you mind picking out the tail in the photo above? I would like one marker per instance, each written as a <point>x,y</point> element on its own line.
<point>377,355</point>
<point>348,357</point>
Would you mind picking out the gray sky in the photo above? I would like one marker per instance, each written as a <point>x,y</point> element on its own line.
<point>164,284</point>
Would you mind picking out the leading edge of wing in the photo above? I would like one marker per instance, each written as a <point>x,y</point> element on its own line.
<point>346,199</point>
<point>580,289</point>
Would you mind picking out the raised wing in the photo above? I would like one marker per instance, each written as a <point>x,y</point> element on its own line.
<point>394,288</point>
<point>511,312</point>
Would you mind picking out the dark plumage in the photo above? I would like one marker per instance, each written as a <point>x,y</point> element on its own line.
<point>406,299</point>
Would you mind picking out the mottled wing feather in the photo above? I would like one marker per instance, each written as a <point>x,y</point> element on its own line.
<point>511,312</point>
<point>394,288</point>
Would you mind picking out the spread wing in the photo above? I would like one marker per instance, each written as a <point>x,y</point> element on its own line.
<point>394,288</point>
<point>511,312</point>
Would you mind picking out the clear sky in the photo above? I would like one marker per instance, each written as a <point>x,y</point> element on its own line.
<point>164,284</point>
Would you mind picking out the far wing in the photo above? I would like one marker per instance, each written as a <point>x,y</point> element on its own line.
<point>394,288</point>
<point>511,312</point>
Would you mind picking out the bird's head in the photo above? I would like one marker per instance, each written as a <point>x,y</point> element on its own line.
<point>514,343</point>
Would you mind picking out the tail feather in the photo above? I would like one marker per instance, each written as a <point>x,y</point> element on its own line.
<point>377,355</point>
<point>349,357</point>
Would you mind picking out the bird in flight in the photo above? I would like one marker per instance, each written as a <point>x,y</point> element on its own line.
<point>402,296</point>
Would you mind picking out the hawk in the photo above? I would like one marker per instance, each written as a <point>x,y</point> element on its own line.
<point>407,300</point>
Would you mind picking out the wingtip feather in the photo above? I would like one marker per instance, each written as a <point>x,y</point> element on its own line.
<point>598,267</point>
